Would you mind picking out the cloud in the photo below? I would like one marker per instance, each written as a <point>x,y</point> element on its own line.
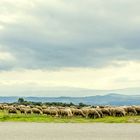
<point>107,78</point>
<point>57,34</point>
<point>7,60</point>
<point>80,44</point>
<point>6,56</point>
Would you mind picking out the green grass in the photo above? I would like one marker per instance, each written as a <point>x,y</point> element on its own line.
<point>5,117</point>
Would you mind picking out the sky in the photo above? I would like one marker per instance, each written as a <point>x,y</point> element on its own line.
<point>68,48</point>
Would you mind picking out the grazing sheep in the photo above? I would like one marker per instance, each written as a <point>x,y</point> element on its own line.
<point>28,111</point>
<point>85,110</point>
<point>18,108</point>
<point>32,106</point>
<point>137,108</point>
<point>39,107</point>
<point>66,112</point>
<point>36,111</point>
<point>44,107</point>
<point>77,112</point>
<point>46,111</point>
<point>100,112</point>
<point>92,113</point>
<point>28,107</point>
<point>6,107</point>
<point>12,110</point>
<point>105,111</point>
<point>22,106</point>
<point>1,107</point>
<point>130,110</point>
<point>22,110</point>
<point>120,112</point>
<point>117,112</point>
<point>54,112</point>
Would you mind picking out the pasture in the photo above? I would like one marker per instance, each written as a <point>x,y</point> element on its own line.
<point>5,117</point>
<point>21,113</point>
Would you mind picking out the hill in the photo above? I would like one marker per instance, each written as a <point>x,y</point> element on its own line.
<point>109,99</point>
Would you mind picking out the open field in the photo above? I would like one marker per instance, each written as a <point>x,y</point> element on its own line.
<point>72,114</point>
<point>4,116</point>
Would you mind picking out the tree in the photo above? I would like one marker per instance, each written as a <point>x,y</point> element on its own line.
<point>82,105</point>
<point>20,100</point>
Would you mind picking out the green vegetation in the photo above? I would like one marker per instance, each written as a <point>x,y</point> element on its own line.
<point>22,101</point>
<point>4,116</point>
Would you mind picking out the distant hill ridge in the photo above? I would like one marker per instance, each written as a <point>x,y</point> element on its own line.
<point>109,99</point>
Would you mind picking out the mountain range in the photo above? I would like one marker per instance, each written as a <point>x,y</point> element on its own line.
<point>109,99</point>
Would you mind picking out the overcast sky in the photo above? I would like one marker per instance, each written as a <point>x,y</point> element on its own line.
<point>69,44</point>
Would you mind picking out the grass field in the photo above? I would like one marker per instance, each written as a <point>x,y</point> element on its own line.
<point>4,116</point>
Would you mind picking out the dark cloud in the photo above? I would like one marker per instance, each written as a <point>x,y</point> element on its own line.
<point>71,34</point>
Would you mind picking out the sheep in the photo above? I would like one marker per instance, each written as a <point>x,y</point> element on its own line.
<point>6,107</point>
<point>18,108</point>
<point>105,111</point>
<point>46,111</point>
<point>92,113</point>
<point>22,106</point>
<point>120,112</point>
<point>39,107</point>
<point>32,106</point>
<point>100,112</point>
<point>137,108</point>
<point>25,111</point>
<point>1,107</point>
<point>77,112</point>
<point>54,112</point>
<point>36,111</point>
<point>117,112</point>
<point>22,110</point>
<point>28,107</point>
<point>112,111</point>
<point>44,107</point>
<point>130,110</point>
<point>28,111</point>
<point>85,110</point>
<point>66,112</point>
<point>12,110</point>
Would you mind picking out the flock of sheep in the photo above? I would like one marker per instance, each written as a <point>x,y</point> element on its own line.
<point>59,111</point>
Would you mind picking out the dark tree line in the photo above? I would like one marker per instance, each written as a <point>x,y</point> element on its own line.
<point>24,102</point>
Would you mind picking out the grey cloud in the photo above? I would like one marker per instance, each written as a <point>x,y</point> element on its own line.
<point>88,33</point>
